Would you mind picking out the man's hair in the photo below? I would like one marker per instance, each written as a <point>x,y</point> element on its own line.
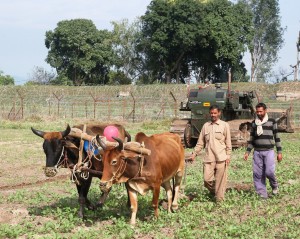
<point>214,107</point>
<point>259,105</point>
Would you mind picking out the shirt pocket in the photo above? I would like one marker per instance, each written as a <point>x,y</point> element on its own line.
<point>206,136</point>
<point>219,135</point>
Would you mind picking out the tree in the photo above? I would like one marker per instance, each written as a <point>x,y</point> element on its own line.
<point>40,76</point>
<point>128,59</point>
<point>169,32</point>
<point>268,37</point>
<point>6,79</point>
<point>208,37</point>
<point>79,52</point>
<point>118,78</point>
<point>227,30</point>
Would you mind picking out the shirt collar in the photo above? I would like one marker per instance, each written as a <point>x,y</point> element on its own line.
<point>217,122</point>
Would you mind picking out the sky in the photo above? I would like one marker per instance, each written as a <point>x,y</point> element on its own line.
<point>23,24</point>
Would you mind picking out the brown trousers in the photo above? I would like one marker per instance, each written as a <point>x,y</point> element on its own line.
<point>215,178</point>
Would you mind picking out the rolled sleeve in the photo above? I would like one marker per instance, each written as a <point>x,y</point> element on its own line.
<point>228,140</point>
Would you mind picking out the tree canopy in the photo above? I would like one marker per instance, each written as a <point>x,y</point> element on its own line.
<point>268,37</point>
<point>129,63</point>
<point>173,39</point>
<point>169,32</point>
<point>208,37</point>
<point>79,52</point>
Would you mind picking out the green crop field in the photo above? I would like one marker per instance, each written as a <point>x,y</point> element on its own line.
<point>33,206</point>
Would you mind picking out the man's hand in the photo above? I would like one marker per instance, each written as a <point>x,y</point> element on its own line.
<point>246,155</point>
<point>228,161</point>
<point>279,157</point>
<point>193,157</point>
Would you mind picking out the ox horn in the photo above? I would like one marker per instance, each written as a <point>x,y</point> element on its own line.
<point>38,132</point>
<point>120,147</point>
<point>66,132</point>
<point>101,143</point>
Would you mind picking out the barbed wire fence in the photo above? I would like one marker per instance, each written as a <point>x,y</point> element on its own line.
<point>107,103</point>
<point>133,103</point>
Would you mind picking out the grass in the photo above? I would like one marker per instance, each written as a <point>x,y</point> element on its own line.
<point>49,210</point>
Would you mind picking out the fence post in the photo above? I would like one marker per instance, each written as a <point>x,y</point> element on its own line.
<point>59,98</point>
<point>49,105</point>
<point>133,110</point>
<point>124,106</point>
<point>108,108</point>
<point>86,111</point>
<point>22,103</point>
<point>72,113</point>
<point>175,104</point>
<point>95,102</point>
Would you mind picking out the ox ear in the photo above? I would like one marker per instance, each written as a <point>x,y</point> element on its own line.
<point>120,147</point>
<point>38,132</point>
<point>66,132</point>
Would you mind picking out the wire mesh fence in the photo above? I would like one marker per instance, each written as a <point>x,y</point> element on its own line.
<point>115,103</point>
<point>132,103</point>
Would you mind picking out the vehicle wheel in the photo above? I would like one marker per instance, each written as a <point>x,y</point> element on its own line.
<point>188,140</point>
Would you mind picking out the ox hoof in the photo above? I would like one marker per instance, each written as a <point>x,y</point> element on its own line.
<point>99,205</point>
<point>132,224</point>
<point>91,207</point>
<point>174,208</point>
<point>80,215</point>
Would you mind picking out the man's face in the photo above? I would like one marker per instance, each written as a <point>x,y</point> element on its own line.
<point>214,115</point>
<point>260,112</point>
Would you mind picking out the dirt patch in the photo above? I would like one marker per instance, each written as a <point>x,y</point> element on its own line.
<point>239,186</point>
<point>14,178</point>
<point>12,214</point>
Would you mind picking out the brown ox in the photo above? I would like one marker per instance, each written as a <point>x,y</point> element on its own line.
<point>62,150</point>
<point>143,173</point>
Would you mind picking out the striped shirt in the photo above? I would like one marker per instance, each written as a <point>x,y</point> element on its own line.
<point>267,140</point>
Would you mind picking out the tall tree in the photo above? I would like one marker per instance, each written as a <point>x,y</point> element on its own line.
<point>128,59</point>
<point>170,30</point>
<point>209,36</point>
<point>79,52</point>
<point>227,29</point>
<point>268,37</point>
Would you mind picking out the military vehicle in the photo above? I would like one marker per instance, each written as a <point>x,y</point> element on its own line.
<point>238,109</point>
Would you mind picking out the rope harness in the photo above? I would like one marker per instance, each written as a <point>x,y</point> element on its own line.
<point>79,170</point>
<point>121,169</point>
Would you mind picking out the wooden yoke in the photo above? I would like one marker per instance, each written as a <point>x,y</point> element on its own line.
<point>78,133</point>
<point>137,147</point>
<point>132,146</point>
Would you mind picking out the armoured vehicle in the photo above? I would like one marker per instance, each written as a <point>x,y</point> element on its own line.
<point>238,109</point>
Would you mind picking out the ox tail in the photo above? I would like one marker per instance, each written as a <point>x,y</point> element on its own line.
<point>128,136</point>
<point>173,190</point>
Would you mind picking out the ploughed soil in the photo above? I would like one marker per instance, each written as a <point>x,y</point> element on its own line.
<point>31,177</point>
<point>15,178</point>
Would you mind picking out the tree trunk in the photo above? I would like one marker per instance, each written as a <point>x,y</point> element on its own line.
<point>168,78</point>
<point>178,75</point>
<point>252,77</point>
